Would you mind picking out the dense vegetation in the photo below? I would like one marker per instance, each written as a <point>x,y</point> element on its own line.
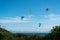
<point>6,35</point>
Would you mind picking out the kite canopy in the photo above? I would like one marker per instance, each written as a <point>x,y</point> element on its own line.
<point>39,24</point>
<point>22,17</point>
<point>47,9</point>
<point>30,11</point>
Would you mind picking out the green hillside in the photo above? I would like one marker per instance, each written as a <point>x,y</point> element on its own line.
<point>5,35</point>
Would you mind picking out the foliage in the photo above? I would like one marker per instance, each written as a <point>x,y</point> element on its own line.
<point>6,35</point>
<point>55,34</point>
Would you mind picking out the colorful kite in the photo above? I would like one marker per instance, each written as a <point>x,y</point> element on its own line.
<point>47,9</point>
<point>22,17</point>
<point>39,24</point>
<point>30,11</point>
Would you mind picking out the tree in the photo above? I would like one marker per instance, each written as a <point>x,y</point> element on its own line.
<point>55,34</point>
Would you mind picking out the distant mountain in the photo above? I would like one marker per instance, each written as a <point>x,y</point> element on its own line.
<point>42,34</point>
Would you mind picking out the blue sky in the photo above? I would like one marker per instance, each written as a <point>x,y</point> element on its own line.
<point>12,10</point>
